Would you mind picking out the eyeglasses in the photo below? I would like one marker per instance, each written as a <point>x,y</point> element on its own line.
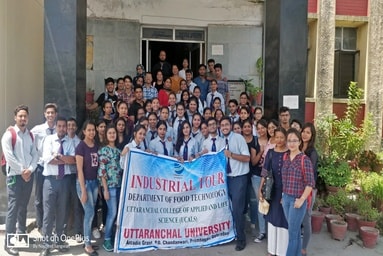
<point>293,141</point>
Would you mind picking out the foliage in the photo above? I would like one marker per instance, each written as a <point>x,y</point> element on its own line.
<point>366,210</point>
<point>90,89</point>
<point>338,201</point>
<point>369,159</point>
<point>340,139</point>
<point>250,88</point>
<point>372,187</point>
<point>337,174</point>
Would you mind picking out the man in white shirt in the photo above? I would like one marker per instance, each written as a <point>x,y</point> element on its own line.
<point>213,143</point>
<point>58,155</point>
<point>237,168</point>
<point>21,156</point>
<point>40,132</point>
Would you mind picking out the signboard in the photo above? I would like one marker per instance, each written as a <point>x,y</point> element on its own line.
<point>235,88</point>
<point>166,204</point>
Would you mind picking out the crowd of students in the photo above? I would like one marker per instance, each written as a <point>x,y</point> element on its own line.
<point>184,121</point>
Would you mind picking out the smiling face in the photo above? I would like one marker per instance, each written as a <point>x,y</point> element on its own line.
<point>101,128</point>
<point>225,127</point>
<point>306,135</point>
<point>111,135</point>
<point>247,129</point>
<point>161,131</point>
<point>196,121</point>
<point>243,115</point>
<point>204,130</point>
<point>237,128</point>
<point>293,142</point>
<point>50,115</point>
<point>186,129</point>
<point>270,129</point>
<point>89,132</point>
<point>261,130</point>
<point>139,136</point>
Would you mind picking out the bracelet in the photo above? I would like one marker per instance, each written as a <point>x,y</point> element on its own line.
<point>231,154</point>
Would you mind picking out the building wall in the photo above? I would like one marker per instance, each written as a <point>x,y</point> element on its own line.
<point>21,59</point>
<point>21,64</point>
<point>116,30</point>
<point>116,50</point>
<point>198,13</point>
<point>352,8</point>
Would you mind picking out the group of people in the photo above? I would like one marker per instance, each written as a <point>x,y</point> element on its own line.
<point>181,118</point>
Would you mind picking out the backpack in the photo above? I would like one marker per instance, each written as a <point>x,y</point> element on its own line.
<point>14,137</point>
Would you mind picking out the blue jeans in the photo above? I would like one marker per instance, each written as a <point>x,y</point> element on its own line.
<point>112,203</point>
<point>256,182</point>
<point>294,217</point>
<point>92,191</point>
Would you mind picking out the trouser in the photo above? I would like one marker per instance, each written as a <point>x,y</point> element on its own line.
<point>75,212</point>
<point>294,217</point>
<point>19,193</point>
<point>55,195</point>
<point>256,182</point>
<point>39,182</point>
<point>237,187</point>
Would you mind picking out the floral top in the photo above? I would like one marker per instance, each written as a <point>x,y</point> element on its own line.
<point>109,166</point>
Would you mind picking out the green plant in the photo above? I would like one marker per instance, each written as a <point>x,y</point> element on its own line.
<point>90,89</point>
<point>368,158</point>
<point>338,201</point>
<point>250,87</point>
<point>337,174</point>
<point>341,139</point>
<point>366,211</point>
<point>372,187</point>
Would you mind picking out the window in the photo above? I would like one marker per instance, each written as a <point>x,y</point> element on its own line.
<point>346,60</point>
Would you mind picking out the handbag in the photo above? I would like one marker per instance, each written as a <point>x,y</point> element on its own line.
<point>268,185</point>
<point>263,207</point>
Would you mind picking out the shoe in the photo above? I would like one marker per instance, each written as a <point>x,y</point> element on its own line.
<point>107,245</point>
<point>11,251</point>
<point>240,245</point>
<point>94,247</point>
<point>93,253</point>
<point>96,233</point>
<point>62,247</point>
<point>259,238</point>
<point>45,252</point>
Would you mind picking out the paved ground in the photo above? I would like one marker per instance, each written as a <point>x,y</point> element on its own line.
<point>321,244</point>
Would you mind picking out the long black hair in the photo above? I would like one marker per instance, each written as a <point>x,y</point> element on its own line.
<point>180,135</point>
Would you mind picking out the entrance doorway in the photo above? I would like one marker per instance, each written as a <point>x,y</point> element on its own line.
<point>175,53</point>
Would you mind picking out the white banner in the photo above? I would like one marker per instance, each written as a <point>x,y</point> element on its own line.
<point>166,204</point>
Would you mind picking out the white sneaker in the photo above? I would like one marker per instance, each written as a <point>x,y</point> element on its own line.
<point>96,233</point>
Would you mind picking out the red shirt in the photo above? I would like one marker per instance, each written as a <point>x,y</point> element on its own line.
<point>163,97</point>
<point>297,174</point>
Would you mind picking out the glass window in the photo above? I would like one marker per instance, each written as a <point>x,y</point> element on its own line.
<point>157,33</point>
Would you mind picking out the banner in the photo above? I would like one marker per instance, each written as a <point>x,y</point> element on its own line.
<point>166,204</point>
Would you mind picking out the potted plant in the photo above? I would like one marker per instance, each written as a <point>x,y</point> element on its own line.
<point>322,205</point>
<point>338,229</point>
<point>254,92</point>
<point>337,201</point>
<point>337,175</point>
<point>372,185</point>
<point>369,236</point>
<point>317,218</point>
<point>368,214</point>
<point>368,161</point>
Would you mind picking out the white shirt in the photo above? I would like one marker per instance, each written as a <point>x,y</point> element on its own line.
<point>156,146</point>
<point>237,145</point>
<point>23,155</point>
<point>215,95</point>
<point>40,132</point>
<point>208,143</point>
<point>51,148</point>
<point>192,148</point>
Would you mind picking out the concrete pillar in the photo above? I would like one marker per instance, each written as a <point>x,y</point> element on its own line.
<point>325,57</point>
<point>64,56</point>
<point>285,55</point>
<point>374,90</point>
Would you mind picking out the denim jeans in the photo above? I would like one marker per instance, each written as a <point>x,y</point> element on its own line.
<point>255,182</point>
<point>294,217</point>
<point>92,191</point>
<point>114,197</point>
